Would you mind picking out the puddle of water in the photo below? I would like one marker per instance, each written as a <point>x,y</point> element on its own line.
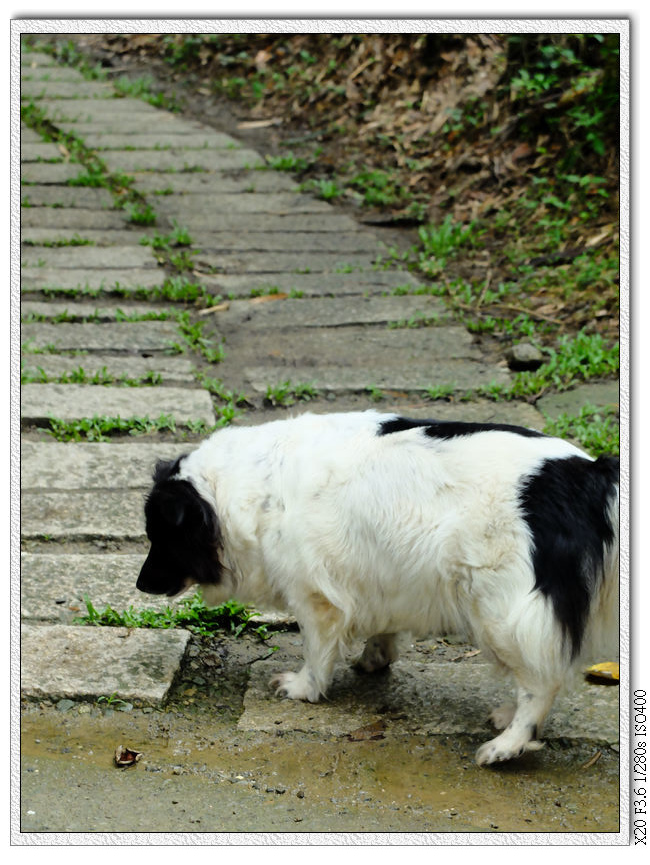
<point>198,774</point>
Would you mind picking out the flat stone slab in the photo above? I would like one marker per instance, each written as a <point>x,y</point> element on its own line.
<point>599,394</point>
<point>422,698</point>
<point>281,203</point>
<point>54,586</point>
<point>131,336</point>
<point>93,465</point>
<point>83,516</point>
<point>39,151</point>
<point>66,218</point>
<point>268,314</point>
<point>107,110</point>
<point>181,185</point>
<point>34,72</point>
<point>179,159</point>
<point>84,663</point>
<point>171,370</point>
<point>44,172</point>
<point>290,262</point>
<point>77,280</point>
<point>84,311</point>
<point>88,257</point>
<point>59,88</point>
<point>39,402</point>
<point>47,193</point>
<point>365,282</point>
<point>458,376</point>
<point>176,137</point>
<point>339,359</point>
<point>71,238</point>
<point>274,242</point>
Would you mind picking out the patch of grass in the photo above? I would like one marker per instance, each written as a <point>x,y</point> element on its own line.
<point>140,213</point>
<point>191,614</point>
<point>80,376</point>
<point>195,338</point>
<point>374,393</point>
<point>595,429</point>
<point>378,188</point>
<point>287,393</point>
<point>324,188</point>
<point>437,243</point>
<point>288,162</point>
<point>101,428</point>
<point>75,240</point>
<point>441,391</point>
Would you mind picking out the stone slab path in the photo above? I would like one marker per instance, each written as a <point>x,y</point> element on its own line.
<point>300,296</point>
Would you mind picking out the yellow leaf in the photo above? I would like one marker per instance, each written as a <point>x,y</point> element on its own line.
<point>607,671</point>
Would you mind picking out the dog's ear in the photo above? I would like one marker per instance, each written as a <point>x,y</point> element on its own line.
<point>172,509</point>
<point>166,469</point>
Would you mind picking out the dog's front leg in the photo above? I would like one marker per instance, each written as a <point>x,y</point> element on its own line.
<point>320,624</point>
<point>521,727</point>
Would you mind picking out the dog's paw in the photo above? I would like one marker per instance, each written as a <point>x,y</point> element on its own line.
<point>296,686</point>
<point>496,751</point>
<point>502,716</point>
<point>378,653</point>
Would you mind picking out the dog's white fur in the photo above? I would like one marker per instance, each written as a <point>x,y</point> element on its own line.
<point>362,535</point>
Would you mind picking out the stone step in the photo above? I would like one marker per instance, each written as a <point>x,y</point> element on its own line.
<point>181,159</point>
<point>88,257</point>
<point>66,218</point>
<point>70,402</point>
<point>83,516</point>
<point>84,311</point>
<point>48,193</point>
<point>290,262</point>
<point>93,237</point>
<point>339,359</point>
<point>76,279</point>
<point>174,137</point>
<point>93,465</point>
<point>160,185</point>
<point>172,370</point>
<point>422,698</point>
<point>63,88</point>
<point>54,586</point>
<point>184,207</point>
<point>359,282</point>
<point>307,242</point>
<point>109,111</point>
<point>266,314</point>
<point>125,336</point>
<point>87,663</point>
<point>39,152</point>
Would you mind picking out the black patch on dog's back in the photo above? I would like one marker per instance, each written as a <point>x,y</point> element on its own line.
<point>565,504</point>
<point>451,429</point>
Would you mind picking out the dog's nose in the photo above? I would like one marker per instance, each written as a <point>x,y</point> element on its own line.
<point>150,579</point>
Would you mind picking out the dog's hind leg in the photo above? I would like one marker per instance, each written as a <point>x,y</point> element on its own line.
<point>320,623</point>
<point>379,652</point>
<point>520,734</point>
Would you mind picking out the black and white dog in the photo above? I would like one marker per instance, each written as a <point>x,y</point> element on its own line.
<point>366,525</point>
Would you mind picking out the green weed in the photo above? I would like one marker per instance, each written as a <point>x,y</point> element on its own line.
<point>191,614</point>
<point>595,429</point>
<point>286,394</point>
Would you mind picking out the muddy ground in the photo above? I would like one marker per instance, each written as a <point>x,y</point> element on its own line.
<point>200,773</point>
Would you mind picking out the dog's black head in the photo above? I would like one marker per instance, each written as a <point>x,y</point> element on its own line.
<point>184,534</point>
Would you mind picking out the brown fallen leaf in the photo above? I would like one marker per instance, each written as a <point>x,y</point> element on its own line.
<point>267,298</point>
<point>126,756</point>
<point>368,732</point>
